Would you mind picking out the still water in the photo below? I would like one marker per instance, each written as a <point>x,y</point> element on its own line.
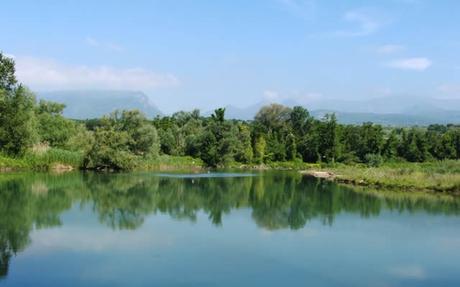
<point>221,229</point>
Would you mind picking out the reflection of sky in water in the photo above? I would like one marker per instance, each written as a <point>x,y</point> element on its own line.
<point>389,248</point>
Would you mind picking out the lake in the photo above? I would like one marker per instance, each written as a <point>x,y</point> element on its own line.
<point>221,229</point>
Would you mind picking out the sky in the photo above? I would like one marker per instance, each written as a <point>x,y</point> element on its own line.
<point>205,54</point>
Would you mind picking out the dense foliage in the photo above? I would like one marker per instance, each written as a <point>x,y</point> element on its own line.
<point>277,134</point>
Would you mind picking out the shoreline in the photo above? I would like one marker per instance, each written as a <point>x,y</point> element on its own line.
<point>361,177</point>
<point>436,177</point>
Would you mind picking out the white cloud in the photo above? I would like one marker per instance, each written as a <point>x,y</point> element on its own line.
<point>390,49</point>
<point>90,41</point>
<point>416,64</point>
<point>81,239</point>
<point>366,24</point>
<point>46,74</point>
<point>408,272</point>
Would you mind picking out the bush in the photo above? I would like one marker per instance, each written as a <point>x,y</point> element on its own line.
<point>373,160</point>
<point>44,160</point>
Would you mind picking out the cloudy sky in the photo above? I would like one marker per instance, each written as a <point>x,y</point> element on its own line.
<point>204,54</point>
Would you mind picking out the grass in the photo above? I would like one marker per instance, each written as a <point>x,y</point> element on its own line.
<point>439,176</point>
<point>42,161</point>
<point>280,165</point>
<point>8,163</point>
<point>167,162</point>
<point>53,157</point>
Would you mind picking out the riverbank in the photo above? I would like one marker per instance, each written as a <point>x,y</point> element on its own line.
<point>440,176</point>
<point>56,160</point>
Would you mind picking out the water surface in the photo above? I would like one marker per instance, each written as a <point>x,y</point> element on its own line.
<point>221,229</point>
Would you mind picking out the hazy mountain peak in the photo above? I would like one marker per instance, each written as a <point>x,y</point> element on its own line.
<point>83,104</point>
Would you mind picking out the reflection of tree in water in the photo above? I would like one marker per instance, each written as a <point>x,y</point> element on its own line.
<point>27,202</point>
<point>290,202</point>
<point>123,201</point>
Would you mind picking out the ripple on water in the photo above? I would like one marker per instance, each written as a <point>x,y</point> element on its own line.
<point>205,175</point>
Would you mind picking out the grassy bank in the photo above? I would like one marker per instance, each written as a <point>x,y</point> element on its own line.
<point>49,160</point>
<point>57,159</point>
<point>176,163</point>
<point>439,176</point>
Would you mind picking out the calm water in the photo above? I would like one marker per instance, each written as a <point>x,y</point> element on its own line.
<point>262,229</point>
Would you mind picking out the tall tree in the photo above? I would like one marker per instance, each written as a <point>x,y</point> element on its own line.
<point>7,73</point>
<point>18,125</point>
<point>53,128</point>
<point>329,147</point>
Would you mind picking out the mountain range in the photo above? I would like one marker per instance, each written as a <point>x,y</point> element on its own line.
<point>93,104</point>
<point>392,111</point>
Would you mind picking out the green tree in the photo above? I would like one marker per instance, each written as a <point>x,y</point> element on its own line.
<point>259,149</point>
<point>110,150</point>
<point>18,125</point>
<point>244,152</point>
<point>329,147</point>
<point>143,137</point>
<point>291,147</point>
<point>390,148</point>
<point>7,73</point>
<point>272,117</point>
<point>53,128</point>
<point>300,120</point>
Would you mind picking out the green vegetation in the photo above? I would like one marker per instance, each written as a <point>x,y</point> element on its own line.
<point>439,176</point>
<point>37,136</point>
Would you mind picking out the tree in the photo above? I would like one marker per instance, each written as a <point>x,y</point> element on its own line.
<point>7,73</point>
<point>17,118</point>
<point>414,147</point>
<point>81,140</point>
<point>309,146</point>
<point>299,119</point>
<point>390,148</point>
<point>259,149</point>
<point>272,117</point>
<point>18,124</point>
<point>110,150</point>
<point>291,147</point>
<point>219,115</point>
<point>329,139</point>
<point>53,128</point>
<point>143,137</point>
<point>244,152</point>
<point>371,140</point>
<point>208,148</point>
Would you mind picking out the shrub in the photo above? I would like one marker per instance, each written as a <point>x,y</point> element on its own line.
<point>373,160</point>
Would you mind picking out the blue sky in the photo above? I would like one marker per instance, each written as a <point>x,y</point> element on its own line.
<point>205,54</point>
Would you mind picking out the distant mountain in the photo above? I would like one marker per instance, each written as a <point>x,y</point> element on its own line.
<point>92,104</point>
<point>385,111</point>
<point>392,111</point>
<point>447,117</point>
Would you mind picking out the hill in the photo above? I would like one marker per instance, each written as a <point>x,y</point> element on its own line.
<point>92,104</point>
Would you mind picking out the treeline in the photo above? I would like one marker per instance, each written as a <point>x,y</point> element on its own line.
<point>123,139</point>
<point>280,133</point>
